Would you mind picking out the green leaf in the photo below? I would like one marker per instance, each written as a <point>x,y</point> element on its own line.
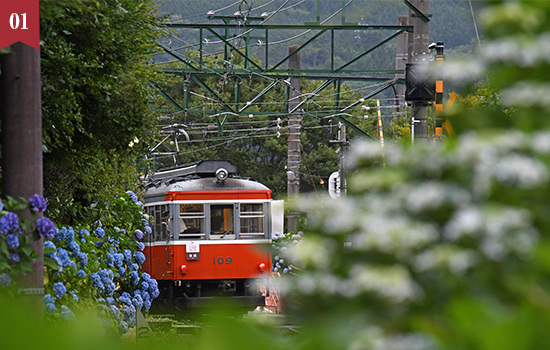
<point>27,249</point>
<point>49,262</point>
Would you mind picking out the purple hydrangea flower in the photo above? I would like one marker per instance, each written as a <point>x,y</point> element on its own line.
<point>12,240</point>
<point>9,223</point>
<point>45,227</point>
<point>139,234</point>
<point>38,203</point>
<point>140,245</point>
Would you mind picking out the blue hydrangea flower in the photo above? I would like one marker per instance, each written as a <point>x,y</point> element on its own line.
<point>81,274</point>
<point>144,285</point>
<point>106,275</point>
<point>63,256</point>
<point>59,290</point>
<point>132,195</point>
<point>5,280</point>
<point>110,300</point>
<point>100,232</point>
<point>75,297</point>
<point>45,227</point>
<point>96,281</point>
<point>118,259</point>
<point>134,277</point>
<point>82,259</point>
<point>66,313</point>
<point>82,234</point>
<point>14,257</point>
<point>49,244</point>
<point>12,241</point>
<point>109,259</point>
<point>134,267</point>
<point>110,288</point>
<point>123,327</point>
<point>48,299</point>
<point>69,235</point>
<point>140,258</point>
<point>127,255</point>
<point>140,246</point>
<point>148,229</point>
<point>137,301</point>
<point>9,223</point>
<point>145,276</point>
<point>139,234</point>
<point>50,308</point>
<point>154,288</point>
<point>1,206</point>
<point>38,203</point>
<point>74,247</point>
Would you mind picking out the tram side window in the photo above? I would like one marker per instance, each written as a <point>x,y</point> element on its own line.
<point>252,220</point>
<point>159,229</point>
<point>221,221</point>
<point>191,221</point>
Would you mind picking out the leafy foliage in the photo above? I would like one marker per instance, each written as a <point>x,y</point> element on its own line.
<point>95,74</point>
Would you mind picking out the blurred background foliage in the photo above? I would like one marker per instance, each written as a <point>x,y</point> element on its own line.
<point>445,246</point>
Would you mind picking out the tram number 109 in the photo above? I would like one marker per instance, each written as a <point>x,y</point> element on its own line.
<point>221,260</point>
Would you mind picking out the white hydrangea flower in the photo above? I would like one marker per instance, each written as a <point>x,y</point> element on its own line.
<point>390,282</point>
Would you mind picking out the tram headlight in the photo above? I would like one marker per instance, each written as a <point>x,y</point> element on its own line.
<point>221,174</point>
<point>183,269</point>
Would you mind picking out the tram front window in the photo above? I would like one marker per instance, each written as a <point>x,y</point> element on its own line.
<point>221,221</point>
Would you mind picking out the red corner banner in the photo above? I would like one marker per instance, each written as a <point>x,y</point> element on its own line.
<point>19,22</point>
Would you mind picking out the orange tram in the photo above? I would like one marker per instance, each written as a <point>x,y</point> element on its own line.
<point>211,234</point>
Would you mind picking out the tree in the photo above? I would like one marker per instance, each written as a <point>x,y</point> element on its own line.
<point>95,74</point>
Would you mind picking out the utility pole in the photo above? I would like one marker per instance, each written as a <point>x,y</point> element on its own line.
<point>21,110</point>
<point>294,126</point>
<point>401,57</point>
<point>418,93</point>
<point>342,152</point>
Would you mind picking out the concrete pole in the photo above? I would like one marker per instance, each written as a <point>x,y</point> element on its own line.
<point>418,52</point>
<point>294,126</point>
<point>401,57</point>
<point>342,138</point>
<point>21,111</point>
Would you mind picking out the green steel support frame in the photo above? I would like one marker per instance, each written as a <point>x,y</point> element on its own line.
<point>194,70</point>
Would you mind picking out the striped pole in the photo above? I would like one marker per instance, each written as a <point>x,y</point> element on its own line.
<point>380,131</point>
<point>439,58</point>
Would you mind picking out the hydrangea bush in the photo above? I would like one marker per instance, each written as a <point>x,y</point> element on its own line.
<point>90,267</point>
<point>100,265</point>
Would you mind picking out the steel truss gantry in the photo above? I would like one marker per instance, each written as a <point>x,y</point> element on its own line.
<point>275,72</point>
